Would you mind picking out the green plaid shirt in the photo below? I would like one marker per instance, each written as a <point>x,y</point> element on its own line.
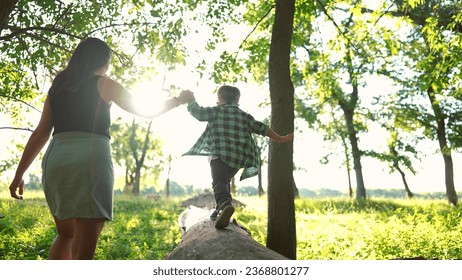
<point>228,135</point>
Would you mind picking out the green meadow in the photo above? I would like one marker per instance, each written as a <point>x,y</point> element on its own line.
<point>327,229</point>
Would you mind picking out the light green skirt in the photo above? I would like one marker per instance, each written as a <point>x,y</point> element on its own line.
<point>78,176</point>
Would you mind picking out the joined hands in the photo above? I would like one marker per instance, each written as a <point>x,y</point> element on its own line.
<point>186,96</point>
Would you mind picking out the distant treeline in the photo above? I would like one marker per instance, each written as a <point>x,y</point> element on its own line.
<point>378,193</point>
<point>180,190</point>
<point>326,193</point>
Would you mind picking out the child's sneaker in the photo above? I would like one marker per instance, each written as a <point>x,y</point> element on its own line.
<point>214,214</point>
<point>226,211</point>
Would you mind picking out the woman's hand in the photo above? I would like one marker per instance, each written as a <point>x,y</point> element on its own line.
<point>186,96</point>
<point>18,183</point>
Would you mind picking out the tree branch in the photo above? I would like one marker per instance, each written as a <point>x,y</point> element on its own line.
<point>35,36</point>
<point>18,31</point>
<point>443,20</point>
<point>121,24</point>
<point>6,8</point>
<point>323,8</point>
<point>254,28</point>
<point>21,101</point>
<point>24,44</point>
<point>17,128</point>
<point>63,14</point>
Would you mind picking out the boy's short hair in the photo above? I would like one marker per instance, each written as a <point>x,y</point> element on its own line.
<point>229,94</point>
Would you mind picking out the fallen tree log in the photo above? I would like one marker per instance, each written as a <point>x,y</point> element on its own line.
<point>206,200</point>
<point>202,241</point>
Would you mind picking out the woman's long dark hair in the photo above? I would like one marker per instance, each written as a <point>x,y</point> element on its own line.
<point>90,55</point>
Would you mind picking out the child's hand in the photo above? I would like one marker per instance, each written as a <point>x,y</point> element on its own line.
<point>186,96</point>
<point>286,138</point>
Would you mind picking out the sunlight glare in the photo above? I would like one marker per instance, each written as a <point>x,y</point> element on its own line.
<point>148,97</point>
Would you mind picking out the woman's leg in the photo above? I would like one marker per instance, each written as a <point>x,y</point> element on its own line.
<point>61,249</point>
<point>86,236</point>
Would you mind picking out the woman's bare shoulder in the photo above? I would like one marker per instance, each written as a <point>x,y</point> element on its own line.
<point>109,89</point>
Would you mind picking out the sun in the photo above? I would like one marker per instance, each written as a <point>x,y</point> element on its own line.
<point>148,97</point>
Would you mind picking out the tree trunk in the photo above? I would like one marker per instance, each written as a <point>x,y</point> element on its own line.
<point>136,183</point>
<point>261,192</point>
<point>281,235</point>
<point>233,186</point>
<point>444,148</point>
<point>406,186</point>
<point>296,192</point>
<point>139,161</point>
<point>6,7</point>
<point>348,107</point>
<point>167,183</point>
<point>347,163</point>
<point>167,188</point>
<point>129,181</point>
<point>350,188</point>
<point>360,189</point>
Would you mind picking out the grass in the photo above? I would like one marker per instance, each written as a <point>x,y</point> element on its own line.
<point>327,229</point>
<point>376,229</point>
<point>142,229</point>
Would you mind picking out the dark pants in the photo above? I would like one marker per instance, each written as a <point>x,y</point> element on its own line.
<point>221,176</point>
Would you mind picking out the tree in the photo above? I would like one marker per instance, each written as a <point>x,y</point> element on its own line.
<point>281,209</point>
<point>337,76</point>
<point>37,37</point>
<point>167,182</point>
<point>421,10</point>
<point>136,151</point>
<point>432,57</point>
<point>399,115</point>
<point>229,68</point>
<point>334,131</point>
<point>262,144</point>
<point>441,75</point>
<point>331,71</point>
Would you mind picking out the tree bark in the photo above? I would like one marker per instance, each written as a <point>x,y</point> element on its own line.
<point>406,186</point>
<point>261,192</point>
<point>296,192</point>
<point>348,108</point>
<point>281,210</point>
<point>167,183</point>
<point>360,188</point>
<point>139,160</point>
<point>6,7</point>
<point>444,148</point>
<point>233,186</point>
<point>347,163</point>
<point>136,185</point>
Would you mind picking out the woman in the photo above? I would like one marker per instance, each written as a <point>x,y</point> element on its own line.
<point>77,168</point>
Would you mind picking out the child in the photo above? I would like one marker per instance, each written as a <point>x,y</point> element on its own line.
<point>228,141</point>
